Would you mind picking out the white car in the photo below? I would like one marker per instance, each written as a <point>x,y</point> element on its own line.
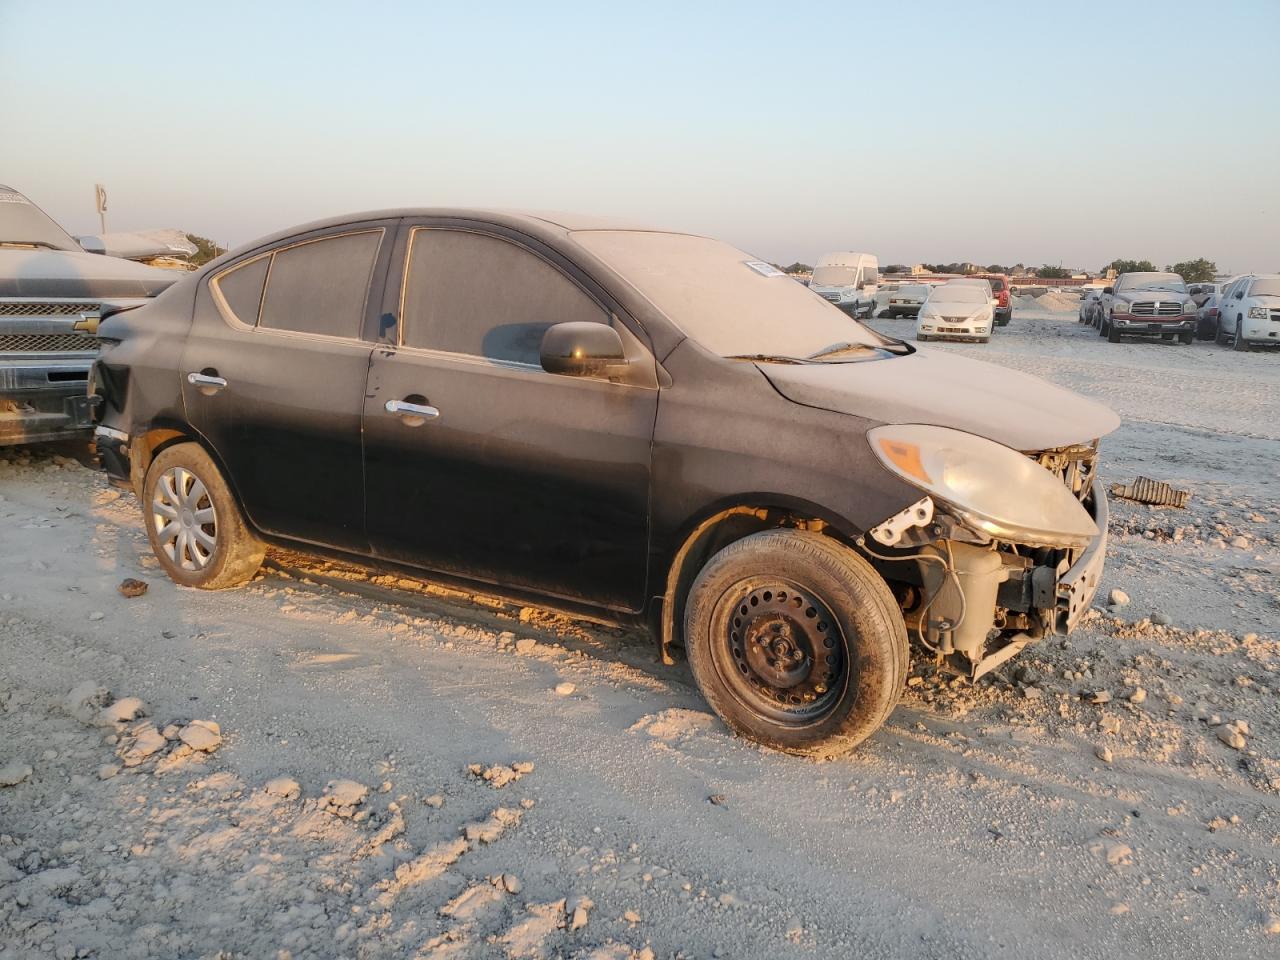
<point>959,310</point>
<point>906,300</point>
<point>1249,311</point>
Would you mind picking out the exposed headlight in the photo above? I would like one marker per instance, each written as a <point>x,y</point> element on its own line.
<point>1258,313</point>
<point>991,488</point>
<point>1189,307</point>
<point>1119,306</point>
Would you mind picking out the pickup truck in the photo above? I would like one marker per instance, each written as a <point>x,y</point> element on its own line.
<point>51,291</point>
<point>1147,305</point>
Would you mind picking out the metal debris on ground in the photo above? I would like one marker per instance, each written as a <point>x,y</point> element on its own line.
<point>1154,492</point>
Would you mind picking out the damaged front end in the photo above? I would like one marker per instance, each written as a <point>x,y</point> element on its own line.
<point>1004,549</point>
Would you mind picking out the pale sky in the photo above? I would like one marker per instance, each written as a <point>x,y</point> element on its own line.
<point>990,132</point>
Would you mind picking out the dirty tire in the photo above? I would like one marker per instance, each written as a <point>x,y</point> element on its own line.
<point>867,638</point>
<point>1113,335</point>
<point>1239,344</point>
<point>237,553</point>
<point>1220,336</point>
<point>1186,338</point>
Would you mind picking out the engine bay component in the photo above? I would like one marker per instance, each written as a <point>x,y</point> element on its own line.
<point>919,514</point>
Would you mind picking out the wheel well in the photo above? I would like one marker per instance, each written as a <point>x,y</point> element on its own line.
<point>144,447</point>
<point>712,535</point>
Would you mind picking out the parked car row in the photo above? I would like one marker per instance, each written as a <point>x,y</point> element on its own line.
<point>1244,312</point>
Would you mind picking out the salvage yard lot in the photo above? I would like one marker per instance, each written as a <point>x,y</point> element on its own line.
<point>1115,792</point>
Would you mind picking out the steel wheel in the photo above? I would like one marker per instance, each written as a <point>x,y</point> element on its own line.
<point>781,652</point>
<point>184,518</point>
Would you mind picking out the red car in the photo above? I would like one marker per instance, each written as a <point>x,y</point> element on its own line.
<point>1000,287</point>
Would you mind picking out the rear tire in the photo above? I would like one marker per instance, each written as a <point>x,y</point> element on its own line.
<point>1113,335</point>
<point>1186,338</point>
<point>1220,335</point>
<point>194,525</point>
<point>796,642</point>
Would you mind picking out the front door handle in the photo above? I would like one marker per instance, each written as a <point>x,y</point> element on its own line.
<point>412,414</point>
<point>209,385</point>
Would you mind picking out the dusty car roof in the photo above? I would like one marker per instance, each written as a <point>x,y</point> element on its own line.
<point>539,223</point>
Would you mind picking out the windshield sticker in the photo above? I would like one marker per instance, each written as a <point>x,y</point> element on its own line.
<point>764,269</point>
<point>8,196</point>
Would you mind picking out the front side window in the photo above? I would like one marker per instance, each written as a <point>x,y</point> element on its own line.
<point>482,296</point>
<point>321,286</point>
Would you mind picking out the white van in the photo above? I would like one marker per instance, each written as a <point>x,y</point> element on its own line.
<point>848,280</point>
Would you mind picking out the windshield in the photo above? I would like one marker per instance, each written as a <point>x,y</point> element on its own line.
<point>1265,288</point>
<point>21,221</point>
<point>959,293</point>
<point>997,284</point>
<point>834,275</point>
<point>913,290</point>
<point>707,289</point>
<point>1151,281</point>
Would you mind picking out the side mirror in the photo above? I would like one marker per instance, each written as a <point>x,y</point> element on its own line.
<point>582,349</point>
<point>92,244</point>
<point>1108,289</point>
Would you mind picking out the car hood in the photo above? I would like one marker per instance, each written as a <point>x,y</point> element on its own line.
<point>942,389</point>
<point>66,273</point>
<point>1164,296</point>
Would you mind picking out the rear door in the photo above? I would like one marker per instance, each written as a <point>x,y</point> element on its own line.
<point>525,479</point>
<point>274,376</point>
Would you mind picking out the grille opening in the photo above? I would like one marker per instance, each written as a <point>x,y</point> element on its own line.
<point>48,343</point>
<point>64,376</point>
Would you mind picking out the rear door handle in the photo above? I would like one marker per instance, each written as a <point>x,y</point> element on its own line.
<point>413,414</point>
<point>204,380</point>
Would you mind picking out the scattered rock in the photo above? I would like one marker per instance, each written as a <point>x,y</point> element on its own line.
<point>630,916</point>
<point>435,800</point>
<point>123,711</point>
<point>142,741</point>
<point>578,909</point>
<point>1117,598</point>
<point>526,645</point>
<point>13,773</point>
<point>129,587</point>
<point>564,689</point>
<point>1160,619</point>
<point>1138,695</point>
<point>107,771</point>
<point>96,615</point>
<point>498,776</point>
<point>1232,737</point>
<point>342,797</point>
<point>1100,696</point>
<point>1032,693</point>
<point>204,735</point>
<point>1104,754</point>
<point>85,700</point>
<point>510,883</point>
<point>1114,851</point>
<point>286,788</point>
<point>718,799</point>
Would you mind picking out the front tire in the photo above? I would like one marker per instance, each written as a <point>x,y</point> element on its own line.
<point>1240,344</point>
<point>796,642</point>
<point>1113,335</point>
<point>194,524</point>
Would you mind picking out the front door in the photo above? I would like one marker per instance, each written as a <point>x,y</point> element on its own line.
<point>524,479</point>
<point>273,376</point>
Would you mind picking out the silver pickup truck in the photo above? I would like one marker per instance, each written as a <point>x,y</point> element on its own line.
<point>51,289</point>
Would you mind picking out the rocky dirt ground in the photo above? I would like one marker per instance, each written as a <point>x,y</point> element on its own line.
<point>332,762</point>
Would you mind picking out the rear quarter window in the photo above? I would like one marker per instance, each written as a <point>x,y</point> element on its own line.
<point>241,289</point>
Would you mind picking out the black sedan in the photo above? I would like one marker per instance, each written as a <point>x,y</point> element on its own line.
<point>630,422</point>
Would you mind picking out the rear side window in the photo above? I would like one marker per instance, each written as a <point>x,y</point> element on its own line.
<point>241,289</point>
<point>485,297</point>
<point>321,286</point>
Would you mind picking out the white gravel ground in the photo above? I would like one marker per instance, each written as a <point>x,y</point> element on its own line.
<point>611,814</point>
